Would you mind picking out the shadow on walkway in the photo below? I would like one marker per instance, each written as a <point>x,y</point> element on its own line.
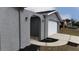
<point>30,48</point>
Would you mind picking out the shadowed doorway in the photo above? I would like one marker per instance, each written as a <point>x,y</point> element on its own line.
<point>35,27</point>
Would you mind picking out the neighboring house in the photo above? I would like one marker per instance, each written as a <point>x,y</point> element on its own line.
<point>19,25</point>
<point>66,23</point>
<point>69,24</point>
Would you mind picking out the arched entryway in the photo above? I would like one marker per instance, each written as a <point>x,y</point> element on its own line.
<point>35,27</point>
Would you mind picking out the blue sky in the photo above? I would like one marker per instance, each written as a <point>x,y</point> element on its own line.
<point>69,12</point>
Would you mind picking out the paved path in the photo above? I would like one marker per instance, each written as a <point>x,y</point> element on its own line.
<point>74,39</point>
<point>60,36</point>
<point>63,40</point>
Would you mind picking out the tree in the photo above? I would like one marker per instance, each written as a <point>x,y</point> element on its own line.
<point>73,22</point>
<point>77,24</point>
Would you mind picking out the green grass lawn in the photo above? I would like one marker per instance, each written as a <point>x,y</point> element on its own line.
<point>70,31</point>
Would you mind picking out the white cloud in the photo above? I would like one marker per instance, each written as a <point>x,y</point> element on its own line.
<point>66,16</point>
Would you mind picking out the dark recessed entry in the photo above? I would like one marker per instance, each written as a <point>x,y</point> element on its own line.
<point>35,27</point>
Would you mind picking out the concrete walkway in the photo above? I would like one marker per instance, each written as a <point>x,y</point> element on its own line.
<point>60,36</point>
<point>74,39</point>
<point>63,39</point>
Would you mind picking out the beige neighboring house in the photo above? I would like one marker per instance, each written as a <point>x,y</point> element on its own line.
<point>65,24</point>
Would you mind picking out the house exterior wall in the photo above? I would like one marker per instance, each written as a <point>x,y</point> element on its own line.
<point>9,29</point>
<point>53,18</point>
<point>9,26</point>
<point>25,27</point>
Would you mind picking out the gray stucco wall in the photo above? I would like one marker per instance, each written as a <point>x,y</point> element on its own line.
<point>9,34</point>
<point>52,17</point>
<point>25,27</point>
<point>9,28</point>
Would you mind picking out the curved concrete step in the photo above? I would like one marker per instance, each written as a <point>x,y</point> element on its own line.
<point>57,43</point>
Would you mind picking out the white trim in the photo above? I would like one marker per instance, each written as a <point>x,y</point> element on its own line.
<point>51,12</point>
